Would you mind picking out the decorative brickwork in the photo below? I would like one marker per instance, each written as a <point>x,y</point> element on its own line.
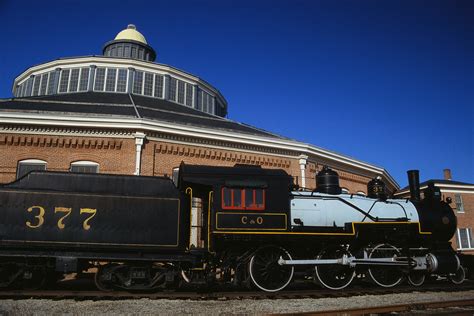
<point>115,152</point>
<point>112,154</point>
<point>66,142</point>
<point>166,156</point>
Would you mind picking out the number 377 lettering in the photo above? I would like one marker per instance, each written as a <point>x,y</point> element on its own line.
<point>39,218</point>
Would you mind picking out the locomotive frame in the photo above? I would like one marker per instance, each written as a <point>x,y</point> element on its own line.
<point>246,231</point>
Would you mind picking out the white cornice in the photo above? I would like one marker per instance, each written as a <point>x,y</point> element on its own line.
<point>190,131</point>
<point>67,131</point>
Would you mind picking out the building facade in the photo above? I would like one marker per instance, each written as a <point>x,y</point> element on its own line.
<point>122,113</point>
<point>461,195</point>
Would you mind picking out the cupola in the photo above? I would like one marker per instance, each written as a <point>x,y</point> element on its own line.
<point>129,43</point>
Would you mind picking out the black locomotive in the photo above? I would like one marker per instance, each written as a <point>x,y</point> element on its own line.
<point>243,225</point>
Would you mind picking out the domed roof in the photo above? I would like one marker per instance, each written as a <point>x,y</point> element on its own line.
<point>131,33</point>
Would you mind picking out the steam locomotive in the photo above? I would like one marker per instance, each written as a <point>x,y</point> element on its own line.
<point>241,225</point>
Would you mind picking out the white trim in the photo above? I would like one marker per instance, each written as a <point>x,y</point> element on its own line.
<point>461,186</point>
<point>467,188</point>
<point>303,159</point>
<point>469,238</point>
<point>153,86</point>
<point>212,134</point>
<point>69,132</point>
<point>36,161</point>
<point>127,81</point>
<point>139,138</point>
<point>69,80</point>
<point>458,191</point>
<point>105,78</point>
<point>84,163</point>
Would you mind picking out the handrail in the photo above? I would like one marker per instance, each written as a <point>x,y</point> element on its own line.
<point>211,196</point>
<point>189,191</point>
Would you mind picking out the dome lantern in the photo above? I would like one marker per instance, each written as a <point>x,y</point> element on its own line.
<point>129,43</point>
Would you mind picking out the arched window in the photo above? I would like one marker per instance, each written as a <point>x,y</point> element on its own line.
<point>25,166</point>
<point>345,190</point>
<point>85,167</point>
<point>361,193</point>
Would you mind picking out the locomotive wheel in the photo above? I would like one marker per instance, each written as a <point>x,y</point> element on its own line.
<point>104,278</point>
<point>334,276</point>
<point>459,276</point>
<point>9,272</point>
<point>33,278</point>
<point>385,276</point>
<point>266,273</point>
<point>416,278</point>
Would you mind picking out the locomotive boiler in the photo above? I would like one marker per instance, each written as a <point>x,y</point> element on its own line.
<point>241,225</point>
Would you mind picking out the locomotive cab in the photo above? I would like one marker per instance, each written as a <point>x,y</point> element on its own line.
<point>237,200</point>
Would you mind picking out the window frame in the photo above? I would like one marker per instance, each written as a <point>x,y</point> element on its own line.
<point>243,200</point>
<point>470,242</point>
<point>84,163</point>
<point>34,162</point>
<point>73,85</point>
<point>460,208</point>
<point>83,84</point>
<point>99,79</point>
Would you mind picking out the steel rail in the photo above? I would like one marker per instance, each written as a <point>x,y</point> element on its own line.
<point>302,292</point>
<point>398,308</point>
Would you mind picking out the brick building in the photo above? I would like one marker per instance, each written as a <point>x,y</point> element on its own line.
<point>122,113</point>
<point>462,197</point>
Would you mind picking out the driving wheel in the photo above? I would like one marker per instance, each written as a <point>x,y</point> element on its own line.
<point>265,271</point>
<point>384,275</point>
<point>334,276</point>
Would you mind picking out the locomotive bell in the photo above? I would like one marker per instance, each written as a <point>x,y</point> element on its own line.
<point>376,189</point>
<point>327,181</point>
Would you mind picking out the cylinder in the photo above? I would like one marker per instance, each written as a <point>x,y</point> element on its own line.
<point>443,262</point>
<point>414,183</point>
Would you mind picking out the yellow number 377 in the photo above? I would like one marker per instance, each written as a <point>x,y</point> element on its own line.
<point>39,218</point>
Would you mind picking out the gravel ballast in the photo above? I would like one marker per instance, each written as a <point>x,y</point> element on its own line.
<point>218,307</point>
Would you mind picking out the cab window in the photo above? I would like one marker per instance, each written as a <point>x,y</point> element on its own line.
<point>243,199</point>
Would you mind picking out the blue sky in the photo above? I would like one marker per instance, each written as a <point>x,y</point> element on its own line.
<point>386,82</point>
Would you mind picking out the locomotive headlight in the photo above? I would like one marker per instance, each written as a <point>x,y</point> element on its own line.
<point>445,220</point>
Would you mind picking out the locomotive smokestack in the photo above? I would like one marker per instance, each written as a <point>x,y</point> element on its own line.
<point>414,183</point>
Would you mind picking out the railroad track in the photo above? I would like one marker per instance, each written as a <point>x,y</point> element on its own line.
<point>463,307</point>
<point>223,294</point>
